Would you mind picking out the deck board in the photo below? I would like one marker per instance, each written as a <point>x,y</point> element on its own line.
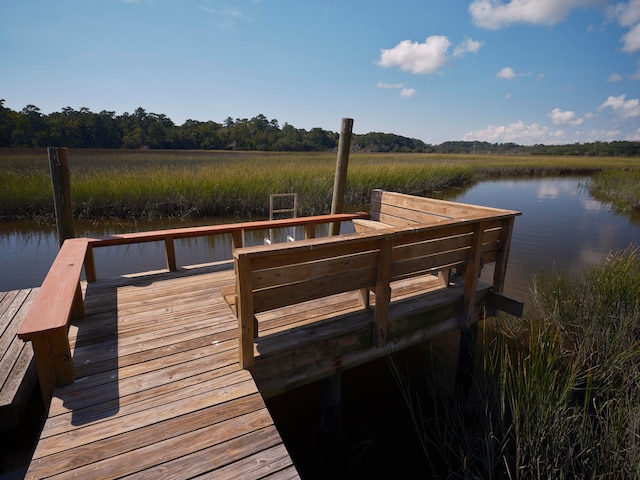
<point>159,392</point>
<point>17,370</point>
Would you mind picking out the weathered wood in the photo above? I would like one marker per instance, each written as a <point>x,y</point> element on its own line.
<point>61,183</point>
<point>283,275</point>
<point>383,293</point>
<point>170,252</point>
<point>17,370</point>
<point>472,272</point>
<point>331,407</point>
<point>46,322</point>
<point>246,317</point>
<point>173,405</point>
<point>502,254</point>
<point>340,180</point>
<point>165,393</point>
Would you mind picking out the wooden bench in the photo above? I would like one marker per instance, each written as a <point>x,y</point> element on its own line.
<point>47,321</point>
<point>275,276</point>
<point>59,298</point>
<point>393,210</point>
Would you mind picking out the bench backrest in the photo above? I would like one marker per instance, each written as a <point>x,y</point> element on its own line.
<point>274,276</point>
<point>402,210</point>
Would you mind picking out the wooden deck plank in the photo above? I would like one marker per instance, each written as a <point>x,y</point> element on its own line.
<point>17,370</point>
<point>159,383</point>
<point>162,394</point>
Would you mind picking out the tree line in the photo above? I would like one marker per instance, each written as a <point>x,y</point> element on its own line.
<point>141,129</point>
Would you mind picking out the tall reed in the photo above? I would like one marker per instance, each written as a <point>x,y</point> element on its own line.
<point>618,187</point>
<point>557,393</point>
<point>159,183</point>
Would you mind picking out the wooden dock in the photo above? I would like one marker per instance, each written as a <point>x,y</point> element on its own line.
<point>163,374</point>
<point>17,370</point>
<point>159,392</point>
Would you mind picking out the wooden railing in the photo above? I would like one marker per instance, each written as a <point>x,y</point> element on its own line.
<point>60,296</point>
<point>270,277</point>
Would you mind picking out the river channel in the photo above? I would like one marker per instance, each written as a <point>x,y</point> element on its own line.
<point>561,227</point>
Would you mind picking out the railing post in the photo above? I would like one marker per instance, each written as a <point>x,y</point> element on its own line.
<point>247,330</point>
<point>471,274</point>
<point>340,181</point>
<point>61,182</point>
<point>171,254</point>
<point>502,255</point>
<point>237,239</point>
<point>90,264</point>
<point>383,292</point>
<point>310,231</point>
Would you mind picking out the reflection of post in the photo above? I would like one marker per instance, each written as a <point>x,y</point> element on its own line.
<point>61,182</point>
<point>340,182</point>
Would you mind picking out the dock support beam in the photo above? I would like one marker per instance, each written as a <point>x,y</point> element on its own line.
<point>331,413</point>
<point>466,361</point>
<point>340,181</point>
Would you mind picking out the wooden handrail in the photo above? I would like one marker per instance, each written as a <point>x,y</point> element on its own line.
<point>269,277</point>
<point>60,297</point>
<point>235,229</point>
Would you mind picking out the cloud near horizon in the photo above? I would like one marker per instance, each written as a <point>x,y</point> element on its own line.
<point>625,109</point>
<point>425,58</point>
<point>559,117</point>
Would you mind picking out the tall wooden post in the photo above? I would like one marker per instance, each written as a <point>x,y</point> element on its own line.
<point>340,181</point>
<point>61,182</point>
<point>331,408</point>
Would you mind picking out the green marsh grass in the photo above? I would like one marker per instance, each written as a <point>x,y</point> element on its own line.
<point>160,183</point>
<point>557,394</point>
<point>621,188</point>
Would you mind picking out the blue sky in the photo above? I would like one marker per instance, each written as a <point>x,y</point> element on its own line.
<point>523,71</point>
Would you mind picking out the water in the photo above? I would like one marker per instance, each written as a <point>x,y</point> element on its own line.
<point>562,227</point>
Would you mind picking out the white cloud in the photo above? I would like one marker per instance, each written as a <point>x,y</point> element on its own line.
<point>418,58</point>
<point>517,132</point>
<point>389,85</point>
<point>635,75</point>
<point>631,40</point>
<point>507,73</point>
<point>614,77</point>
<point>627,14</point>
<point>404,92</point>
<point>623,108</point>
<point>467,46</point>
<point>567,117</point>
<point>494,14</point>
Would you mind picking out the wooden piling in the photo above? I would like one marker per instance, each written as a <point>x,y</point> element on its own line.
<point>331,413</point>
<point>61,182</point>
<point>340,181</point>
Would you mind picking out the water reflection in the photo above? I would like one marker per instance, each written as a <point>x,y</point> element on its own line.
<point>561,226</point>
